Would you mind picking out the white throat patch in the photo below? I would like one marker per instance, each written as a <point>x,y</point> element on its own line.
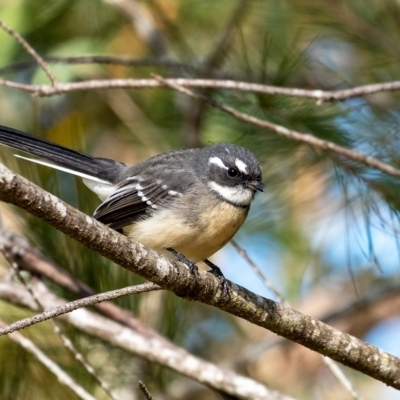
<point>237,195</point>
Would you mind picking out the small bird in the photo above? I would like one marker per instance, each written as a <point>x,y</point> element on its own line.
<point>188,202</point>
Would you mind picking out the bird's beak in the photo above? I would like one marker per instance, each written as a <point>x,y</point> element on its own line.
<point>256,185</point>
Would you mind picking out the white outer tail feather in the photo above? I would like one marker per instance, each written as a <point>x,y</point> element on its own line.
<point>102,188</point>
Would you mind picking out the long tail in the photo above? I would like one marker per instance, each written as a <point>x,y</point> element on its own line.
<point>66,159</point>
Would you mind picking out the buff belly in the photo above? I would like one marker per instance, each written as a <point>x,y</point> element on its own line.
<point>196,241</point>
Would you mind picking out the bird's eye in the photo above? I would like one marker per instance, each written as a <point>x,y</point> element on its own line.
<point>233,172</point>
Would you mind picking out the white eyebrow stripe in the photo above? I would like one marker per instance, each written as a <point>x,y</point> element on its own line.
<point>217,161</point>
<point>241,166</point>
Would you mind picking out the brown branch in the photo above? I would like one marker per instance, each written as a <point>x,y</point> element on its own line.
<point>175,276</point>
<point>74,305</point>
<point>149,348</point>
<point>31,51</point>
<point>145,391</point>
<point>17,250</point>
<point>290,134</point>
<point>334,368</point>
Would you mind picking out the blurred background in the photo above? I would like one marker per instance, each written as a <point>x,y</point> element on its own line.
<point>326,230</point>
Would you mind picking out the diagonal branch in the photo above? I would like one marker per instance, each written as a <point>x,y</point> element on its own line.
<point>290,134</point>
<point>17,250</point>
<point>334,368</point>
<point>31,51</point>
<point>150,348</point>
<point>175,276</point>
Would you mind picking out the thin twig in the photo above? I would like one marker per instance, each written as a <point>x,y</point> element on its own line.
<point>44,90</point>
<point>341,377</point>
<point>289,134</point>
<point>62,377</point>
<point>74,305</point>
<point>226,84</point>
<point>267,282</point>
<point>17,248</point>
<point>144,390</point>
<point>57,329</point>
<point>334,368</point>
<point>31,51</point>
<point>66,341</point>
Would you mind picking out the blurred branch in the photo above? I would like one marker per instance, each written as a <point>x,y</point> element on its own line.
<point>61,375</point>
<point>171,30</point>
<point>119,60</point>
<point>290,134</point>
<point>335,370</point>
<point>224,42</point>
<point>57,329</point>
<point>145,391</point>
<point>30,50</point>
<point>143,23</point>
<point>175,276</point>
<point>74,305</point>
<point>17,249</point>
<point>149,348</point>
<point>194,110</point>
<point>358,317</point>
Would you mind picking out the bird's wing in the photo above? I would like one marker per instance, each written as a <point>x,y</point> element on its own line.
<point>141,196</point>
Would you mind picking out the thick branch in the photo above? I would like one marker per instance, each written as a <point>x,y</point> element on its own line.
<point>174,276</point>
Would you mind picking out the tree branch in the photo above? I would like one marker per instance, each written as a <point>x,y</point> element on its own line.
<point>181,85</point>
<point>31,51</point>
<point>290,134</point>
<point>332,366</point>
<point>150,348</point>
<point>17,250</point>
<point>226,84</point>
<point>175,276</point>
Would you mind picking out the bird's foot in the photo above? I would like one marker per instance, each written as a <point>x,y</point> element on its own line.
<point>216,271</point>
<point>181,258</point>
